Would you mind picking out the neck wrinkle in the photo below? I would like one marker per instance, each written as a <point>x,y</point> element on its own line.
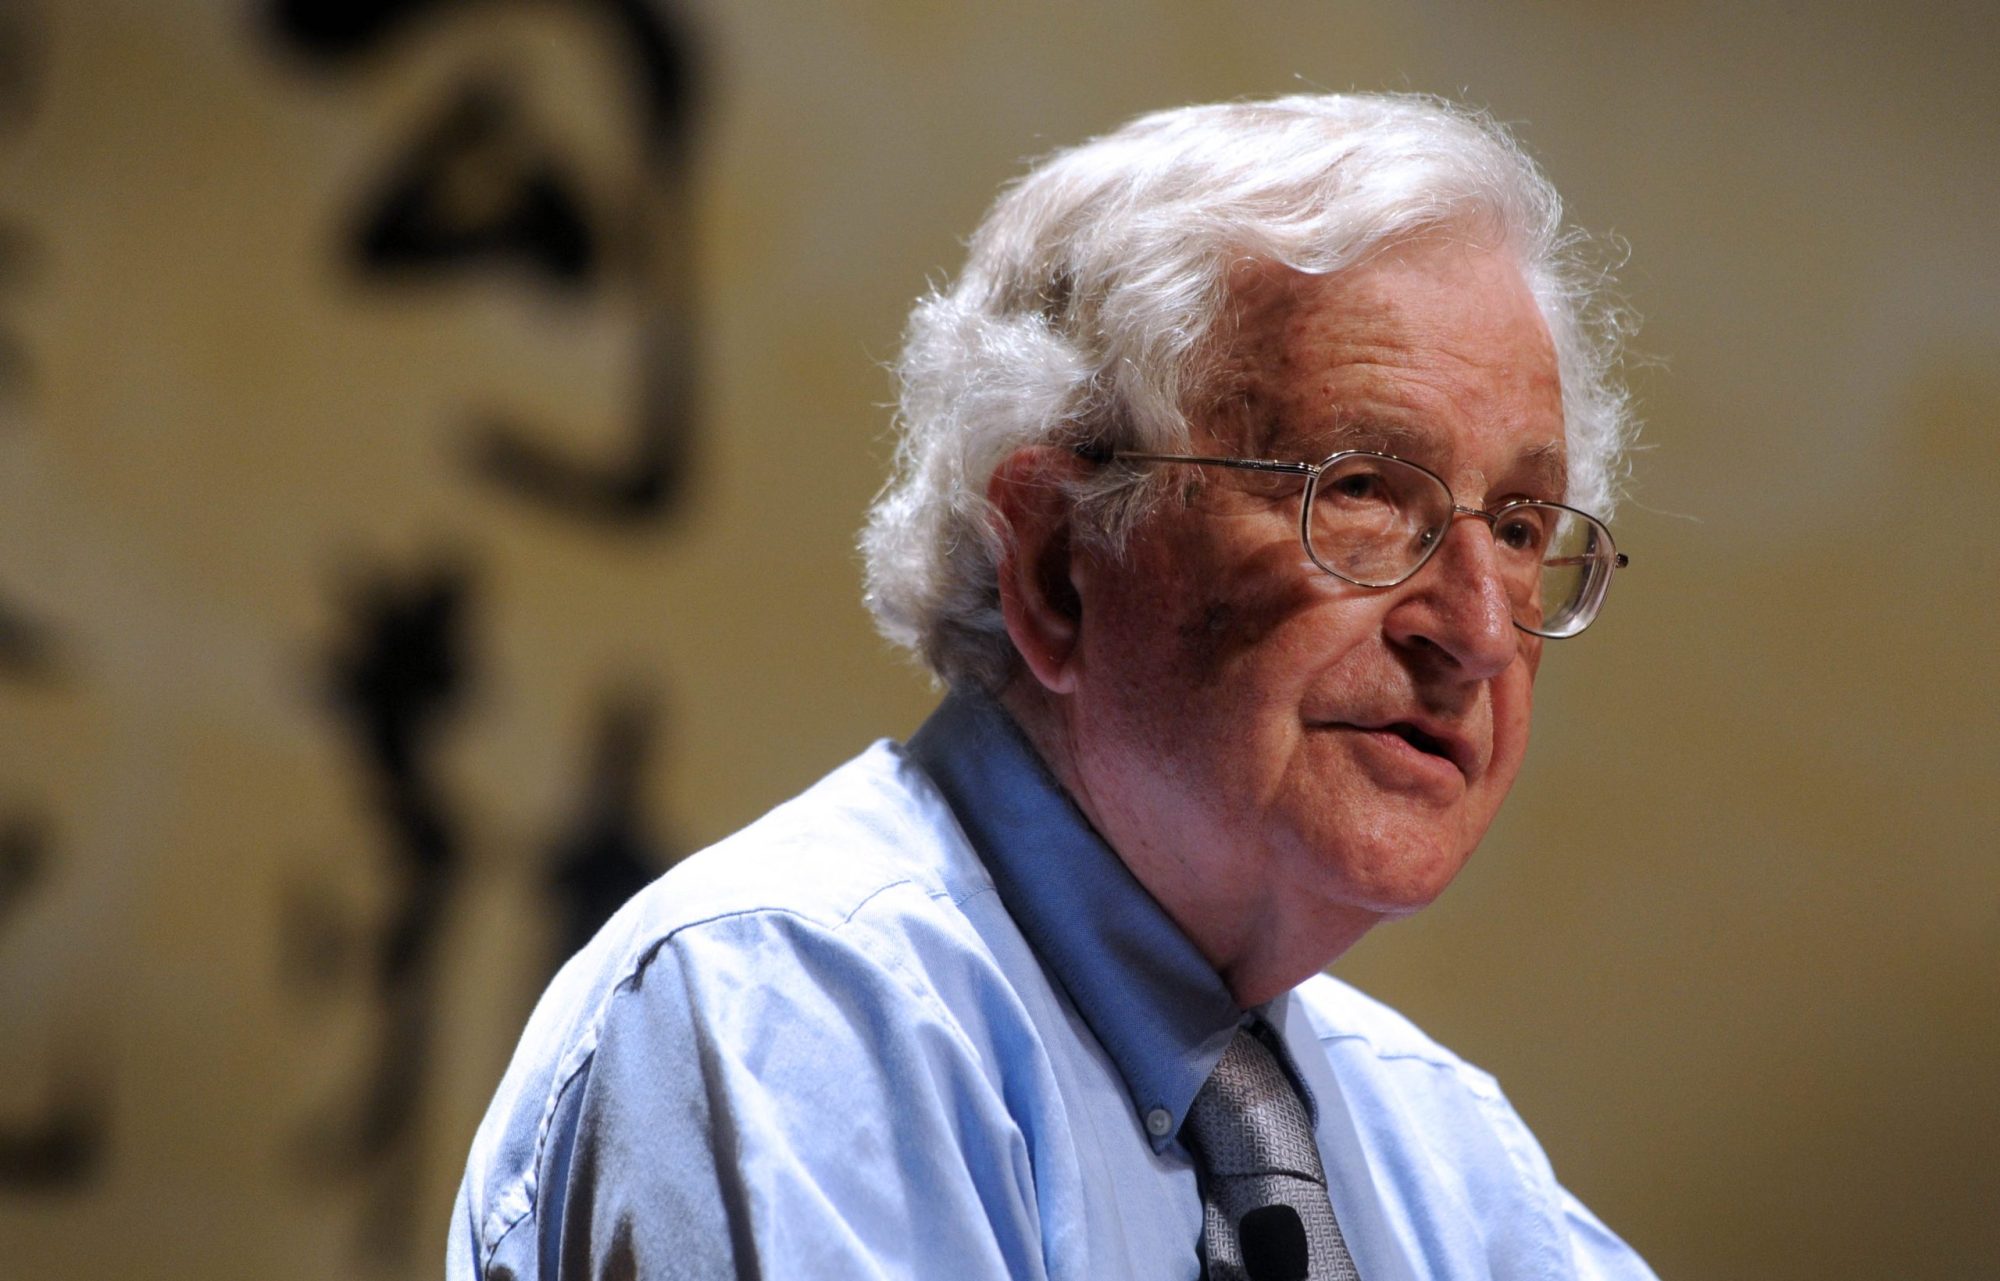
<point>1255,965</point>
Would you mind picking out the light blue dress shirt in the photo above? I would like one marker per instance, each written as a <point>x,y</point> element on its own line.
<point>921,1022</point>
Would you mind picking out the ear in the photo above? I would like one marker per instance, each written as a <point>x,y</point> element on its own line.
<point>1038,593</point>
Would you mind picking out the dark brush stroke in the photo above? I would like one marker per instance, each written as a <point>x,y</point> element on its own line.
<point>397,681</point>
<point>29,651</point>
<point>406,234</point>
<point>335,32</point>
<point>24,859</point>
<point>23,60</point>
<point>414,230</point>
<point>65,1148</point>
<point>607,855</point>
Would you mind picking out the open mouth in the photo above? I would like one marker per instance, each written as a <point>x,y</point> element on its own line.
<point>1418,739</point>
<point>1447,748</point>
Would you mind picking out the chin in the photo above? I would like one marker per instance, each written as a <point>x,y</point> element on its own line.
<point>1398,879</point>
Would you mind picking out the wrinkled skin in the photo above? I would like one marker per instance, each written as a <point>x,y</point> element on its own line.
<point>1281,758</point>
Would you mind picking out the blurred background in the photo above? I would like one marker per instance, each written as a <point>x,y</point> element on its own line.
<point>432,437</point>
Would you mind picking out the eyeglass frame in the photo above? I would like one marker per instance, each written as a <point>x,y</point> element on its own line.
<point>1313,471</point>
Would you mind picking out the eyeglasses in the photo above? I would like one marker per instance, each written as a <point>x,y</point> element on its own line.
<point>1374,520</point>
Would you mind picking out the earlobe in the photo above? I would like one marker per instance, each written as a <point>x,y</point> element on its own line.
<point>1038,594</point>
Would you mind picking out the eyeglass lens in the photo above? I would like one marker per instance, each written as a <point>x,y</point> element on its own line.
<point>1373,520</point>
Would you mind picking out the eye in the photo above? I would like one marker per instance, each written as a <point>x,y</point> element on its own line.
<point>1358,486</point>
<point>1524,528</point>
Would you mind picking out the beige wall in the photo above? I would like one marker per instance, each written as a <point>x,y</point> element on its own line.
<point>1734,948</point>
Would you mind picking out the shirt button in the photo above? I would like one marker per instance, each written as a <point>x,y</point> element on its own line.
<point>1159,1123</point>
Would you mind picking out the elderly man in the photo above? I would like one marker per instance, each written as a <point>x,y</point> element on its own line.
<point>1247,467</point>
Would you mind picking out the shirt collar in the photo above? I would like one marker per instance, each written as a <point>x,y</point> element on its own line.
<point>1160,1010</point>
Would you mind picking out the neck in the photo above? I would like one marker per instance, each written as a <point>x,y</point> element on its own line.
<point>1262,939</point>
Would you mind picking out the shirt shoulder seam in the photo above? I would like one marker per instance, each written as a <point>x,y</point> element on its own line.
<point>1442,1059</point>
<point>1515,1139</point>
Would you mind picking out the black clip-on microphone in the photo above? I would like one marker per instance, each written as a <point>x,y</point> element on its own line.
<point>1274,1244</point>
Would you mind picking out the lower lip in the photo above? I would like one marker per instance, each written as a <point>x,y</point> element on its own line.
<point>1407,762</point>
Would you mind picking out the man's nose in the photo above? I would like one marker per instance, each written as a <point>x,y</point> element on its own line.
<point>1458,604</point>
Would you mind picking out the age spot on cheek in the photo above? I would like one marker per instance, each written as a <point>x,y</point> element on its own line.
<point>1207,636</point>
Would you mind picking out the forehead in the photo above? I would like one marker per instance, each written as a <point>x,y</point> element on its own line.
<point>1433,350</point>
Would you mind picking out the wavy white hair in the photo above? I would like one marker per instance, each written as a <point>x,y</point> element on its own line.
<point>1094,299</point>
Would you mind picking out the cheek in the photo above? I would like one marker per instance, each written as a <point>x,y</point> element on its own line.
<point>1227,639</point>
<point>1173,608</point>
<point>1531,656</point>
<point>1513,708</point>
<point>1214,621</point>
<point>1208,633</point>
<point>1259,617</point>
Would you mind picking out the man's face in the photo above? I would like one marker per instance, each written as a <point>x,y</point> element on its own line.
<point>1283,748</point>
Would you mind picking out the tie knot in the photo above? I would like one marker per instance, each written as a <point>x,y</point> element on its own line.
<point>1265,1211</point>
<point>1248,1117</point>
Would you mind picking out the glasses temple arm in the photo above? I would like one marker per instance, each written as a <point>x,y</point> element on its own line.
<point>1619,561</point>
<point>1240,464</point>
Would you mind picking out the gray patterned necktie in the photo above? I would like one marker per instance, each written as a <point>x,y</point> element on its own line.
<point>1266,1214</point>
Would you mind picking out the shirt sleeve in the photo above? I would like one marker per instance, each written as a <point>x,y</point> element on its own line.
<point>1599,1253</point>
<point>772,1097</point>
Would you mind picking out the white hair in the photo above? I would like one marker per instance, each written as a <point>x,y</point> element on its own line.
<point>1096,291</point>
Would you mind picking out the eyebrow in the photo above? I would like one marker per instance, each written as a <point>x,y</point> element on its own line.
<point>1548,464</point>
<point>1379,435</point>
<point>1545,467</point>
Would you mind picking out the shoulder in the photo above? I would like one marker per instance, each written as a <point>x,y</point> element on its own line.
<point>865,874</point>
<point>1349,1021</point>
<point>1455,1165</point>
<point>1390,1066</point>
<point>869,853</point>
<point>876,823</point>
<point>1414,1096</point>
<point>837,944</point>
